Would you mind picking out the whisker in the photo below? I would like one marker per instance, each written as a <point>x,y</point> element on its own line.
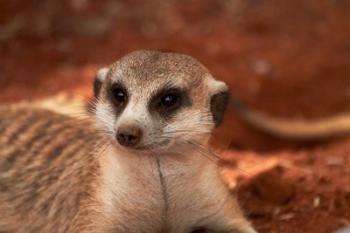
<point>204,154</point>
<point>205,149</point>
<point>186,131</point>
<point>209,152</point>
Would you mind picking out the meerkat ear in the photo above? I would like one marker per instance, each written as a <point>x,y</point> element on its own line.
<point>220,96</point>
<point>100,77</point>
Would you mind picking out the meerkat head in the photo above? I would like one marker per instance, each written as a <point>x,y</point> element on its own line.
<point>150,100</point>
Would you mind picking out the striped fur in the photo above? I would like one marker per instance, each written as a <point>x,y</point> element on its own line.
<point>44,169</point>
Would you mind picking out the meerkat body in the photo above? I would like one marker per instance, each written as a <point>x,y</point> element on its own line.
<point>45,165</point>
<point>136,166</point>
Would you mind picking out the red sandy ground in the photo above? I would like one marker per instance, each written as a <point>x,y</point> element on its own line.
<point>285,58</point>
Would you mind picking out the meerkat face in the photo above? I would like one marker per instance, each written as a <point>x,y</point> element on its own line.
<point>150,100</point>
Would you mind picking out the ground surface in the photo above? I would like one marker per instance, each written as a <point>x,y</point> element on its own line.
<point>285,58</point>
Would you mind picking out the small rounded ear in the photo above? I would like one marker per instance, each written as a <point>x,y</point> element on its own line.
<point>220,96</point>
<point>100,77</point>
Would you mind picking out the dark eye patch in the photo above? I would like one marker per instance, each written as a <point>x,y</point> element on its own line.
<point>118,95</point>
<point>168,101</point>
<point>199,230</point>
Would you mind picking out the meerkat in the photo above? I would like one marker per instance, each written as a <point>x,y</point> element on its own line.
<point>137,165</point>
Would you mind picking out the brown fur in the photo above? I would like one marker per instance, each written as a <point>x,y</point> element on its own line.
<point>44,177</point>
<point>60,174</point>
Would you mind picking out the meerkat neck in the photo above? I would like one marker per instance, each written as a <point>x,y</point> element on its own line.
<point>127,174</point>
<point>128,163</point>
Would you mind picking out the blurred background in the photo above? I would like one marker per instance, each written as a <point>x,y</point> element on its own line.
<point>285,58</point>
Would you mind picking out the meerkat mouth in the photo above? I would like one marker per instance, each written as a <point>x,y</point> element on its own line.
<point>147,147</point>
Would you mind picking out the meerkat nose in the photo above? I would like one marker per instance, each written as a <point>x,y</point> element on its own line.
<point>129,135</point>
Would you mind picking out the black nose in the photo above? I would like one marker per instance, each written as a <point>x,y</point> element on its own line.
<point>129,135</point>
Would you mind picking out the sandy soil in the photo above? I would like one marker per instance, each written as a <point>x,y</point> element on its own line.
<point>285,58</point>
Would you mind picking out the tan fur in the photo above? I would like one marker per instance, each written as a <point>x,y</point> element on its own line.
<point>43,176</point>
<point>299,129</point>
<point>60,174</point>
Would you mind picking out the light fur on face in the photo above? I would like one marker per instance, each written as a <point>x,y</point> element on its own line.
<point>144,74</point>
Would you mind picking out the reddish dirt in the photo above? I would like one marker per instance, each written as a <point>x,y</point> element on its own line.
<point>285,58</point>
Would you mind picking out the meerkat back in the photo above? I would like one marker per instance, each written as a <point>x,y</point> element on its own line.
<point>41,184</point>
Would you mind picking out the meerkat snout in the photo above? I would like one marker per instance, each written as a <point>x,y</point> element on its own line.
<point>129,135</point>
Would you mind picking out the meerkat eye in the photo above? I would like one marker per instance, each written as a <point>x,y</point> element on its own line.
<point>199,230</point>
<point>119,95</point>
<point>170,100</point>
<point>167,101</point>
